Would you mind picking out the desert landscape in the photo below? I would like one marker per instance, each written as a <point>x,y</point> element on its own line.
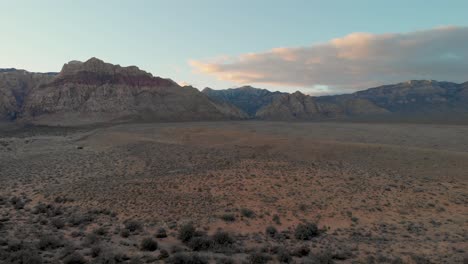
<point>235,192</point>
<point>233,132</point>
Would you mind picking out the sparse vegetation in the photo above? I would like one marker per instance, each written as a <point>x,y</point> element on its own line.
<point>228,217</point>
<point>247,213</point>
<point>73,207</point>
<point>186,232</point>
<point>306,231</point>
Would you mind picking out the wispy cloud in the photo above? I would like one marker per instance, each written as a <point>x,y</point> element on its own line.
<point>352,62</point>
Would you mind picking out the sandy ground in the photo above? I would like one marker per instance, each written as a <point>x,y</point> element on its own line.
<point>382,192</point>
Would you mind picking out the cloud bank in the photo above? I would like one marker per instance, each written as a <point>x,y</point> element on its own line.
<point>353,62</point>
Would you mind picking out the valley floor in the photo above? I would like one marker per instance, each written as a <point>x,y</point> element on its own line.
<point>379,193</point>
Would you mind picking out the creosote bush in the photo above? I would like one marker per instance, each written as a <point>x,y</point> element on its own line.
<point>148,244</point>
<point>133,226</point>
<point>187,258</point>
<point>161,233</point>
<point>75,258</point>
<point>186,232</point>
<point>247,213</point>
<point>223,238</point>
<point>228,217</point>
<point>271,231</point>
<point>306,231</point>
<point>259,258</point>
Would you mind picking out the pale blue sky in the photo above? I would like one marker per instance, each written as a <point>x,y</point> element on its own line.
<point>162,36</point>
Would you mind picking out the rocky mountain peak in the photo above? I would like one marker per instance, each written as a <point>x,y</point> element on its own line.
<point>97,72</point>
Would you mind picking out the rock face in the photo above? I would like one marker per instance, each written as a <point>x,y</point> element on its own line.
<point>95,91</point>
<point>247,98</point>
<point>290,106</point>
<point>14,86</point>
<point>412,98</point>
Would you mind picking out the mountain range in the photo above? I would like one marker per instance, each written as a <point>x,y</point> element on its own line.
<point>95,91</point>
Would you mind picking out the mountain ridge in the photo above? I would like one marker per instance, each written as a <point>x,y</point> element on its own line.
<point>96,91</point>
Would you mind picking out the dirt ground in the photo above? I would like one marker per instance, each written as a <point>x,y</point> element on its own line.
<point>379,193</point>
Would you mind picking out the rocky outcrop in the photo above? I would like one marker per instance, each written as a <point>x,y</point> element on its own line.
<point>95,91</point>
<point>296,106</point>
<point>247,98</point>
<point>14,86</point>
<point>412,98</point>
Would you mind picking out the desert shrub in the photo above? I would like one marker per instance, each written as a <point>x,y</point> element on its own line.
<point>125,233</point>
<point>49,242</point>
<point>78,219</point>
<point>91,239</point>
<point>161,233</point>
<point>306,231</point>
<point>224,260</point>
<point>271,231</point>
<point>247,213</point>
<point>186,232</point>
<point>111,258</point>
<point>258,258</point>
<point>284,256</point>
<point>223,238</point>
<point>96,251</point>
<point>17,202</point>
<point>276,219</point>
<point>301,251</point>
<point>57,223</point>
<point>187,258</point>
<point>14,246</point>
<point>47,209</point>
<point>228,217</point>
<point>163,254</point>
<point>133,226</point>
<point>75,258</point>
<point>321,258</point>
<point>40,208</point>
<point>148,244</point>
<point>420,259</point>
<point>100,231</point>
<point>202,243</point>
<point>27,256</point>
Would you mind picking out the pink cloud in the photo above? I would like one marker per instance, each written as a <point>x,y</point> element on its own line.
<point>356,61</point>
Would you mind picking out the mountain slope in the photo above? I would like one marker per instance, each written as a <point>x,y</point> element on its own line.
<point>412,98</point>
<point>95,91</point>
<point>14,86</point>
<point>247,98</point>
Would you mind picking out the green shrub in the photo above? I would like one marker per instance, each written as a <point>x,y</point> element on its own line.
<point>223,238</point>
<point>271,231</point>
<point>187,258</point>
<point>133,226</point>
<point>247,213</point>
<point>202,243</point>
<point>258,258</point>
<point>228,217</point>
<point>161,233</point>
<point>306,231</point>
<point>75,258</point>
<point>148,244</point>
<point>186,232</point>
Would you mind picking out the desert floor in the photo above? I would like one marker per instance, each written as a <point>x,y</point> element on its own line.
<point>379,193</point>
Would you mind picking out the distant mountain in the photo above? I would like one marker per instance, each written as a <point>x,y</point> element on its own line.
<point>412,98</point>
<point>14,86</point>
<point>247,98</point>
<point>95,91</point>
